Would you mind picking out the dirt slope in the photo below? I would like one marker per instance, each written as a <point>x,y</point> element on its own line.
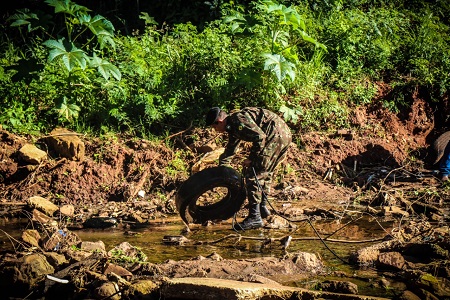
<point>336,165</point>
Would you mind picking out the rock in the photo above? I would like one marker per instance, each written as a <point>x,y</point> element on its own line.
<point>118,270</point>
<point>127,251</point>
<point>307,261</point>
<point>277,222</point>
<point>395,210</point>
<point>32,154</point>
<point>213,288</point>
<point>33,269</point>
<point>136,217</point>
<point>31,237</point>
<point>108,290</point>
<point>42,218</point>
<point>143,289</point>
<point>66,144</point>
<point>67,210</point>
<point>42,204</point>
<point>215,256</point>
<point>55,259</point>
<point>391,260</point>
<point>98,246</point>
<point>369,255</point>
<point>337,286</point>
<point>77,255</point>
<point>408,295</point>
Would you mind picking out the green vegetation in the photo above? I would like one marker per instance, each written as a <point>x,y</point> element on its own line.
<point>312,61</point>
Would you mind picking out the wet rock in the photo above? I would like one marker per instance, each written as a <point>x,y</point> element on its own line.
<point>77,255</point>
<point>55,259</point>
<point>32,154</point>
<point>136,217</point>
<point>143,289</point>
<point>306,261</point>
<point>42,204</point>
<point>66,144</point>
<point>369,255</point>
<point>277,222</point>
<point>108,290</point>
<point>215,256</point>
<point>31,237</point>
<point>392,260</point>
<point>98,246</point>
<point>118,270</point>
<point>337,286</point>
<point>41,218</point>
<point>127,252</point>
<point>33,269</point>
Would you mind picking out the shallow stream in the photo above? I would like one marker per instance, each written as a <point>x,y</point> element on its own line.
<point>150,239</point>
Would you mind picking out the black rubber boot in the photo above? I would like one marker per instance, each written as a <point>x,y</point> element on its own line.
<point>264,211</point>
<point>252,221</point>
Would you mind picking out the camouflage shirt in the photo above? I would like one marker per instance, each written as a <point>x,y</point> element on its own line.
<point>263,128</point>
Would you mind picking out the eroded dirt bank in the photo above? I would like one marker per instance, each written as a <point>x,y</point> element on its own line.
<point>381,166</point>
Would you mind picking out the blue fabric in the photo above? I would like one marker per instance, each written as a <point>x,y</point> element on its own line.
<point>444,165</point>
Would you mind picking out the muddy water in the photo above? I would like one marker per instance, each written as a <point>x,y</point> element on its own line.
<point>150,238</point>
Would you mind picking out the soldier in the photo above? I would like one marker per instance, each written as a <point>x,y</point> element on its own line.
<point>270,137</point>
<point>442,148</point>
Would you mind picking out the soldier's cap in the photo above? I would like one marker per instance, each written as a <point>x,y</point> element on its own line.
<point>212,116</point>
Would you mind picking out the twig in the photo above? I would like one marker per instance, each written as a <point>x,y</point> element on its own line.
<point>178,133</point>
<point>280,239</point>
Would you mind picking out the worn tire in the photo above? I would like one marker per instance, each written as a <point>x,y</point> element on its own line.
<point>204,181</point>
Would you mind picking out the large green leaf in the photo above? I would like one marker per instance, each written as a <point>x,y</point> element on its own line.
<point>100,27</point>
<point>279,66</point>
<point>65,51</point>
<point>67,7</point>
<point>33,21</point>
<point>105,68</point>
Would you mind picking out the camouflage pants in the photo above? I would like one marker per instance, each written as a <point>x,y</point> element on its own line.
<point>265,165</point>
<point>444,164</point>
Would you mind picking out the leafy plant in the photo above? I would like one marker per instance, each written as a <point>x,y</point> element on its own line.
<point>70,49</point>
<point>282,31</point>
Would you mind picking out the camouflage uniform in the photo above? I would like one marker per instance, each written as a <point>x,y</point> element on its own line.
<point>270,136</point>
<point>442,148</point>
